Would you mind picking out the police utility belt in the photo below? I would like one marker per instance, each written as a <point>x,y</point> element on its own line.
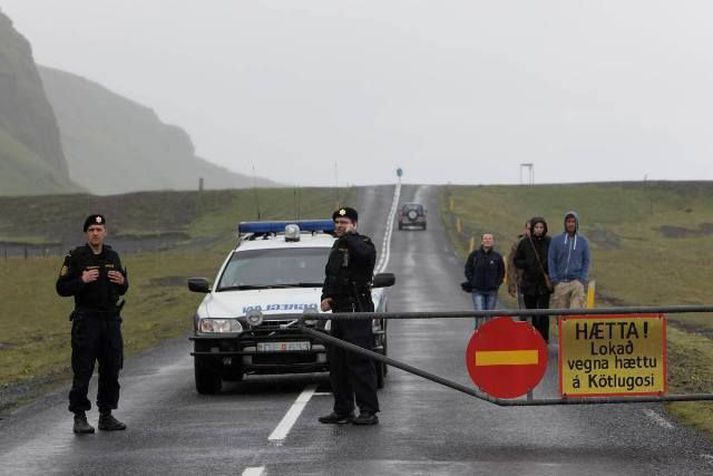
<point>107,314</point>
<point>355,300</point>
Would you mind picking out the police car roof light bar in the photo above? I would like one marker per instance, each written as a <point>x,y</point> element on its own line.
<point>278,226</point>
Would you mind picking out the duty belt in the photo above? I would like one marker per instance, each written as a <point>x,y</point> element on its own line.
<point>98,313</point>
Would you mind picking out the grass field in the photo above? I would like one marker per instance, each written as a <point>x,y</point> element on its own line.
<point>34,325</point>
<point>652,244</point>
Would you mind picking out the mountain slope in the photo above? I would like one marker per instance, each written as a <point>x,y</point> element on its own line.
<point>31,156</point>
<point>114,145</point>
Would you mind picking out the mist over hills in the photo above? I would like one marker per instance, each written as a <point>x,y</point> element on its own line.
<point>115,145</point>
<point>31,157</point>
<point>61,133</point>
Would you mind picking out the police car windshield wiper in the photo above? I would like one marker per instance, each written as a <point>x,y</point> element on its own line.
<point>249,286</point>
<point>242,287</point>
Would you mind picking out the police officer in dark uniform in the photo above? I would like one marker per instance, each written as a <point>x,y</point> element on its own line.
<point>93,274</point>
<point>347,288</point>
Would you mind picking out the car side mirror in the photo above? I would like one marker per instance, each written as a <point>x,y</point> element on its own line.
<point>198,285</point>
<point>383,280</point>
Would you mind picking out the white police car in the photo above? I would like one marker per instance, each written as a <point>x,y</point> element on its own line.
<point>241,328</point>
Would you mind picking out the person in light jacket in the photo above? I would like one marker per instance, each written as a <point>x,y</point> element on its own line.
<point>568,263</point>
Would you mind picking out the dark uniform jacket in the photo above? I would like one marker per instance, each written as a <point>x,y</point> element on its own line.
<point>533,279</point>
<point>349,271</point>
<point>100,295</point>
<point>485,270</point>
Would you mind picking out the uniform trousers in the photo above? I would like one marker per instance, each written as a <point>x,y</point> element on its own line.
<point>96,338</point>
<point>351,375</point>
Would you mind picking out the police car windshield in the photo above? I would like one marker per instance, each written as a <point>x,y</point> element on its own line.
<point>274,268</point>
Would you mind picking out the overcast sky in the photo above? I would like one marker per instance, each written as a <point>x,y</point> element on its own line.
<point>452,91</point>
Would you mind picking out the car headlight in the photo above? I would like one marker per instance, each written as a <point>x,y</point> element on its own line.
<point>220,325</point>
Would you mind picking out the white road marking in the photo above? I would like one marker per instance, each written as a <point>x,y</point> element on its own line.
<point>254,471</point>
<point>285,425</point>
<point>658,419</point>
<point>386,244</point>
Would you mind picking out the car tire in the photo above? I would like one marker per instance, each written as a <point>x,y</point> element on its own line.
<point>207,377</point>
<point>424,227</point>
<point>401,227</point>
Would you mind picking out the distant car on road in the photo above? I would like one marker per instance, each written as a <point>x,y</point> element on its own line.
<point>242,325</point>
<point>412,215</point>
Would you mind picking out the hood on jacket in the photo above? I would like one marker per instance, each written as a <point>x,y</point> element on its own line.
<point>571,213</point>
<point>534,221</point>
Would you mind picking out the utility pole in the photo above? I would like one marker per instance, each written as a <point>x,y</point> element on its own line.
<point>529,177</point>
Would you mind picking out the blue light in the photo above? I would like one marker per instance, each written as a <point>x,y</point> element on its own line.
<point>278,226</point>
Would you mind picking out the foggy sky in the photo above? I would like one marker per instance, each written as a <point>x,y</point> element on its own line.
<point>313,92</point>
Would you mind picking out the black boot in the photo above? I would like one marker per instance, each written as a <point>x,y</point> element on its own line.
<point>336,419</point>
<point>107,422</point>
<point>81,425</point>
<point>366,418</point>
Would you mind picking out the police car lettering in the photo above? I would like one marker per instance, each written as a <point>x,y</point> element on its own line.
<point>282,307</point>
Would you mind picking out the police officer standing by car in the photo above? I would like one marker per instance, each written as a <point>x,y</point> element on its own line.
<point>93,274</point>
<point>347,288</point>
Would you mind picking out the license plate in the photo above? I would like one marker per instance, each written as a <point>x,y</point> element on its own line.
<point>282,346</point>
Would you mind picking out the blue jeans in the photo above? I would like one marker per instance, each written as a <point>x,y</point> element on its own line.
<point>484,301</point>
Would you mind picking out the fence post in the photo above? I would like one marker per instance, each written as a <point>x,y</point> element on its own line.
<point>591,293</point>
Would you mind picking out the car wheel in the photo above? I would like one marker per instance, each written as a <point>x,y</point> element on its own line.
<point>424,227</point>
<point>206,374</point>
<point>235,375</point>
<point>401,227</point>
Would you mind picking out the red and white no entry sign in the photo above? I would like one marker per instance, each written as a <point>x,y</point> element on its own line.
<point>505,358</point>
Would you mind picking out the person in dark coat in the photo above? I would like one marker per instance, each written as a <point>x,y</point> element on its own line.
<point>485,271</point>
<point>531,259</point>
<point>94,276</point>
<point>347,288</point>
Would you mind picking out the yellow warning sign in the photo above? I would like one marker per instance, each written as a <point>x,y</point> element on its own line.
<point>612,355</point>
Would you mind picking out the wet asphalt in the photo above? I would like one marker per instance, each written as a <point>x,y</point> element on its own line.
<point>424,428</point>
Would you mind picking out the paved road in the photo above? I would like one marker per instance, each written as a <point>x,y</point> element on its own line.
<point>425,428</point>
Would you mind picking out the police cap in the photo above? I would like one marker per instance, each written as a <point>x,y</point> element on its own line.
<point>94,220</point>
<point>346,212</point>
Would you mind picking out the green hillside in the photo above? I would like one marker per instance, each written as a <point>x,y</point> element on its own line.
<point>651,243</point>
<point>102,131</point>
<point>31,156</point>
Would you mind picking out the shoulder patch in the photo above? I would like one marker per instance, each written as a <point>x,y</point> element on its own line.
<point>64,270</point>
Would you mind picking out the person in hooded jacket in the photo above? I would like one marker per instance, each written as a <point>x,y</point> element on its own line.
<point>568,263</point>
<point>531,259</point>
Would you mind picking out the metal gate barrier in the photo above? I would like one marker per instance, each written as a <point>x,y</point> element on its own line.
<point>474,392</point>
